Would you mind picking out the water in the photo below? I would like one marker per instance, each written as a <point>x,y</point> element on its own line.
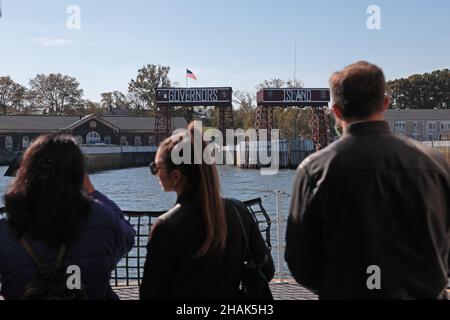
<point>135,189</point>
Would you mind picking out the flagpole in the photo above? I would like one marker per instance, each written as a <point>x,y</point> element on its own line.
<point>295,59</point>
<point>186,78</point>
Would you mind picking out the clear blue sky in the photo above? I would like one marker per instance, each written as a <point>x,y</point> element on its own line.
<point>225,43</point>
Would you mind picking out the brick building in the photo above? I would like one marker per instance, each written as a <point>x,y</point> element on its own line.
<point>17,132</point>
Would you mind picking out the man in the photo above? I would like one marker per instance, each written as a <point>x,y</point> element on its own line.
<point>369,217</point>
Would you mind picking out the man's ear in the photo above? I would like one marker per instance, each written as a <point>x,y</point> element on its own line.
<point>386,103</point>
<point>337,111</point>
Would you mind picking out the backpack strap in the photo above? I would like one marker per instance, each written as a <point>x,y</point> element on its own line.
<point>60,256</point>
<point>37,260</point>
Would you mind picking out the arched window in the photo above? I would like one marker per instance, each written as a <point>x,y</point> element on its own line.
<point>107,140</point>
<point>137,141</point>
<point>25,141</point>
<point>8,142</point>
<point>79,140</point>
<point>93,137</point>
<point>123,141</point>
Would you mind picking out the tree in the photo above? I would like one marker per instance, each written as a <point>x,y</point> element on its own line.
<point>279,83</point>
<point>245,111</point>
<point>149,78</point>
<point>56,93</point>
<point>12,95</point>
<point>115,100</point>
<point>294,122</point>
<point>86,107</point>
<point>90,107</point>
<point>421,91</point>
<point>138,107</point>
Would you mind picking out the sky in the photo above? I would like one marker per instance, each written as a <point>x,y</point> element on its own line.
<point>225,43</point>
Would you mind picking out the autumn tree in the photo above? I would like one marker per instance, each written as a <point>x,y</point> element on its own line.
<point>115,100</point>
<point>245,110</point>
<point>279,83</point>
<point>56,93</point>
<point>87,107</point>
<point>12,96</point>
<point>150,78</point>
<point>421,91</point>
<point>91,107</point>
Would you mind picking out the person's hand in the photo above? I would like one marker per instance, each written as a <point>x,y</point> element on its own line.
<point>87,184</point>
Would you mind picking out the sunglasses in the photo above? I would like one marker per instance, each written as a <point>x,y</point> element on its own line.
<point>154,169</point>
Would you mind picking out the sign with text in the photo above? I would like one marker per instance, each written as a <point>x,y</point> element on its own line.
<point>294,97</point>
<point>194,96</point>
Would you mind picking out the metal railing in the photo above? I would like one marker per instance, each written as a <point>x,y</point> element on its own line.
<point>129,270</point>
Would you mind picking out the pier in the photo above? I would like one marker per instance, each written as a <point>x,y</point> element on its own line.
<point>288,290</point>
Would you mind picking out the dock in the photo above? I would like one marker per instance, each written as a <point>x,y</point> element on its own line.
<point>288,290</point>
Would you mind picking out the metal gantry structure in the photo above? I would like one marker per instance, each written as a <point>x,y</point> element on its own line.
<point>267,100</point>
<point>320,128</point>
<point>270,98</point>
<point>220,98</point>
<point>163,123</point>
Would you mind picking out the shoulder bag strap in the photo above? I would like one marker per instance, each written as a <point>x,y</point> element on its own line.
<point>237,207</point>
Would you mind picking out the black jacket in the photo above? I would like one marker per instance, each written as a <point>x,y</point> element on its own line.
<point>372,198</point>
<point>172,272</point>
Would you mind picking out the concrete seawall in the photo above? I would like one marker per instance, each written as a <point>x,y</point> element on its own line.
<point>101,158</point>
<point>290,153</point>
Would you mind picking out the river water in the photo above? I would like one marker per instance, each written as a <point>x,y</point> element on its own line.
<point>135,189</point>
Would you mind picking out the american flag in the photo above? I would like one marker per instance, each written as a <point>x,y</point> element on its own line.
<point>190,74</point>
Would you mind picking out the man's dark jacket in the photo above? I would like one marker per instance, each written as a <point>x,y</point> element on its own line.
<point>373,198</point>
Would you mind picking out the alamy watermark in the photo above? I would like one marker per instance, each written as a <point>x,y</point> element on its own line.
<point>374,280</point>
<point>374,20</point>
<point>74,20</point>
<point>74,280</point>
<point>255,148</point>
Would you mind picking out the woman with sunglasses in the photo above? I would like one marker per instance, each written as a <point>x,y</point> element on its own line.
<point>197,248</point>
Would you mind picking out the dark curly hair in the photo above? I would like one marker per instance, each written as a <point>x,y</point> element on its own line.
<point>46,201</point>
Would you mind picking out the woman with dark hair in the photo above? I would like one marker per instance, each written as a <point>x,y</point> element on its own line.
<point>52,204</point>
<point>197,249</point>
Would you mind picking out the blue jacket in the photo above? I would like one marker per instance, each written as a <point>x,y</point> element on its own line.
<point>104,239</point>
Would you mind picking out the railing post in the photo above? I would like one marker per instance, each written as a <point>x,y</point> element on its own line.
<point>280,245</point>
